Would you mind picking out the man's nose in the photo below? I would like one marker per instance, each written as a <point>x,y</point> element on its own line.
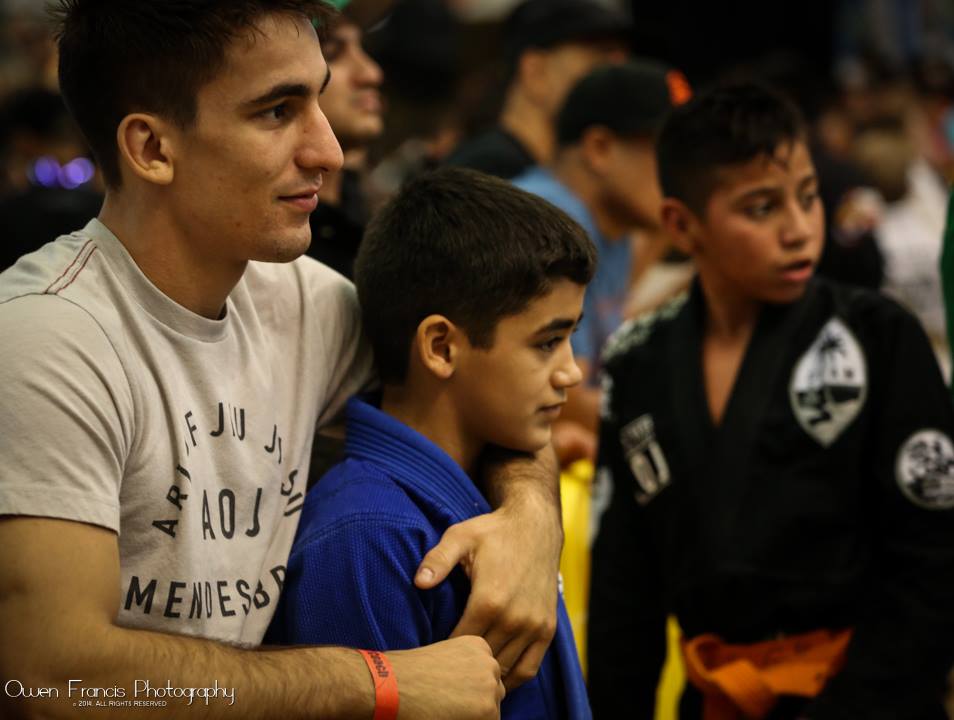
<point>319,147</point>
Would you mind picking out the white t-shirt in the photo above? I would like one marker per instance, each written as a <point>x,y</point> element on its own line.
<point>189,437</point>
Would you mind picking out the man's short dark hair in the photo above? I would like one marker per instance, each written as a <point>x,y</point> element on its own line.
<point>725,126</point>
<point>124,56</point>
<point>630,99</point>
<point>465,245</point>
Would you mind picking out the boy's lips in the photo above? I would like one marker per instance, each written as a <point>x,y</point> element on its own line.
<point>798,271</point>
<point>553,409</point>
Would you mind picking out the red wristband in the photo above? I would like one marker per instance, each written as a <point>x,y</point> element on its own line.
<point>385,685</point>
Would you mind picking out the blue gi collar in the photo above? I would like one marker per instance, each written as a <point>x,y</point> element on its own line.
<point>377,437</point>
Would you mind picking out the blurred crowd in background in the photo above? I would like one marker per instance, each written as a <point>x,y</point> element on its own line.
<point>875,78</point>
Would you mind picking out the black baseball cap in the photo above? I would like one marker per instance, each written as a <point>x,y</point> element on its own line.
<point>547,23</point>
<point>631,98</point>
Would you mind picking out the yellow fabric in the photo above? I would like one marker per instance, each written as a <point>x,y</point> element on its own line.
<point>576,487</point>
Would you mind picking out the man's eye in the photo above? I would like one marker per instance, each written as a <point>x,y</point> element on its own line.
<point>278,112</point>
<point>331,49</point>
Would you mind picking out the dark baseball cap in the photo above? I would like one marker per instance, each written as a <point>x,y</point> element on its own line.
<point>546,23</point>
<point>631,98</point>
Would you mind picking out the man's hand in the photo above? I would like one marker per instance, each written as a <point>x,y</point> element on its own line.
<point>457,678</point>
<point>512,557</point>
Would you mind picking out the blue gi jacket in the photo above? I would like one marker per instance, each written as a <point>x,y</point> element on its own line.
<point>365,528</point>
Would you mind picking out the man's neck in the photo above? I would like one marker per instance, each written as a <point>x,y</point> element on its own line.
<point>569,171</point>
<point>526,122</point>
<point>167,257</point>
<point>435,419</point>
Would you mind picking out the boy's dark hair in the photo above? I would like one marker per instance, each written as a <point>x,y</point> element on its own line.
<point>465,245</point>
<point>123,56</point>
<point>727,125</point>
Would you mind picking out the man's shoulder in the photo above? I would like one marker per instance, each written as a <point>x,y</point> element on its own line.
<point>49,270</point>
<point>58,292</point>
<point>493,151</point>
<point>637,336</point>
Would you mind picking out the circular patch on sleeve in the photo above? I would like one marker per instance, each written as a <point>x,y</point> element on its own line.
<point>925,469</point>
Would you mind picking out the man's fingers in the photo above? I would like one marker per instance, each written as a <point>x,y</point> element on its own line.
<point>527,665</point>
<point>440,561</point>
<point>475,621</point>
<point>509,655</point>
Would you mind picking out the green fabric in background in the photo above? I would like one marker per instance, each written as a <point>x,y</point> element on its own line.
<point>947,273</point>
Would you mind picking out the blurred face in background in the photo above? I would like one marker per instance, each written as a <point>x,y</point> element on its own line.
<point>352,101</point>
<point>631,194</point>
<point>569,62</point>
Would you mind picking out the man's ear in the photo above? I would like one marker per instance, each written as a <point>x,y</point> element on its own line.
<point>533,72</point>
<point>146,145</point>
<point>438,345</point>
<point>681,224</point>
<point>596,148</point>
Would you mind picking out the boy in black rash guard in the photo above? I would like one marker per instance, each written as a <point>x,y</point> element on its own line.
<point>776,463</point>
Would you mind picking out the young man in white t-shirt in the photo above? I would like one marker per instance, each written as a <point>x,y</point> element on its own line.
<point>163,372</point>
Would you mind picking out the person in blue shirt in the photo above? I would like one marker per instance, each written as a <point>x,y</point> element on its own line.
<point>469,289</point>
<point>603,175</point>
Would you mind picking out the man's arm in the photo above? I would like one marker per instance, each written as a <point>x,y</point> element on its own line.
<point>512,556</point>
<point>59,599</point>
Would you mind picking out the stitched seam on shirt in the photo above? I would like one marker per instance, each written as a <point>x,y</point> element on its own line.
<point>77,273</point>
<point>70,266</point>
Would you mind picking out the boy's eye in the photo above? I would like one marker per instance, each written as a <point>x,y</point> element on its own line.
<point>760,210</point>
<point>551,344</point>
<point>808,199</point>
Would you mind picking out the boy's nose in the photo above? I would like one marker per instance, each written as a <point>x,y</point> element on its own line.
<point>797,229</point>
<point>569,375</point>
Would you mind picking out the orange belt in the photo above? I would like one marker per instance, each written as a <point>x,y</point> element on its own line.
<point>745,681</point>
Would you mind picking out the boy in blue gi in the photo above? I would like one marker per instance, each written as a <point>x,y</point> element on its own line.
<point>778,455</point>
<point>470,289</point>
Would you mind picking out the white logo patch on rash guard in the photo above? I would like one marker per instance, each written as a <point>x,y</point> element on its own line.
<point>829,384</point>
<point>645,457</point>
<point>925,469</point>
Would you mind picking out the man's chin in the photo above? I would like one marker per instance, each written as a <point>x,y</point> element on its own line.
<point>286,249</point>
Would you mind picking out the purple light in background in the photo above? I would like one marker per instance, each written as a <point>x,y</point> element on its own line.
<point>46,171</point>
<point>75,173</point>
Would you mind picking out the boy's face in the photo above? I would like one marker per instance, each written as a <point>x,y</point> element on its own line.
<point>762,232</point>
<point>248,169</point>
<point>352,101</point>
<point>631,192</point>
<point>511,393</point>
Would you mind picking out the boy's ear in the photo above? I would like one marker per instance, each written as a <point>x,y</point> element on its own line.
<point>437,341</point>
<point>681,224</point>
<point>146,144</point>
<point>596,147</point>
